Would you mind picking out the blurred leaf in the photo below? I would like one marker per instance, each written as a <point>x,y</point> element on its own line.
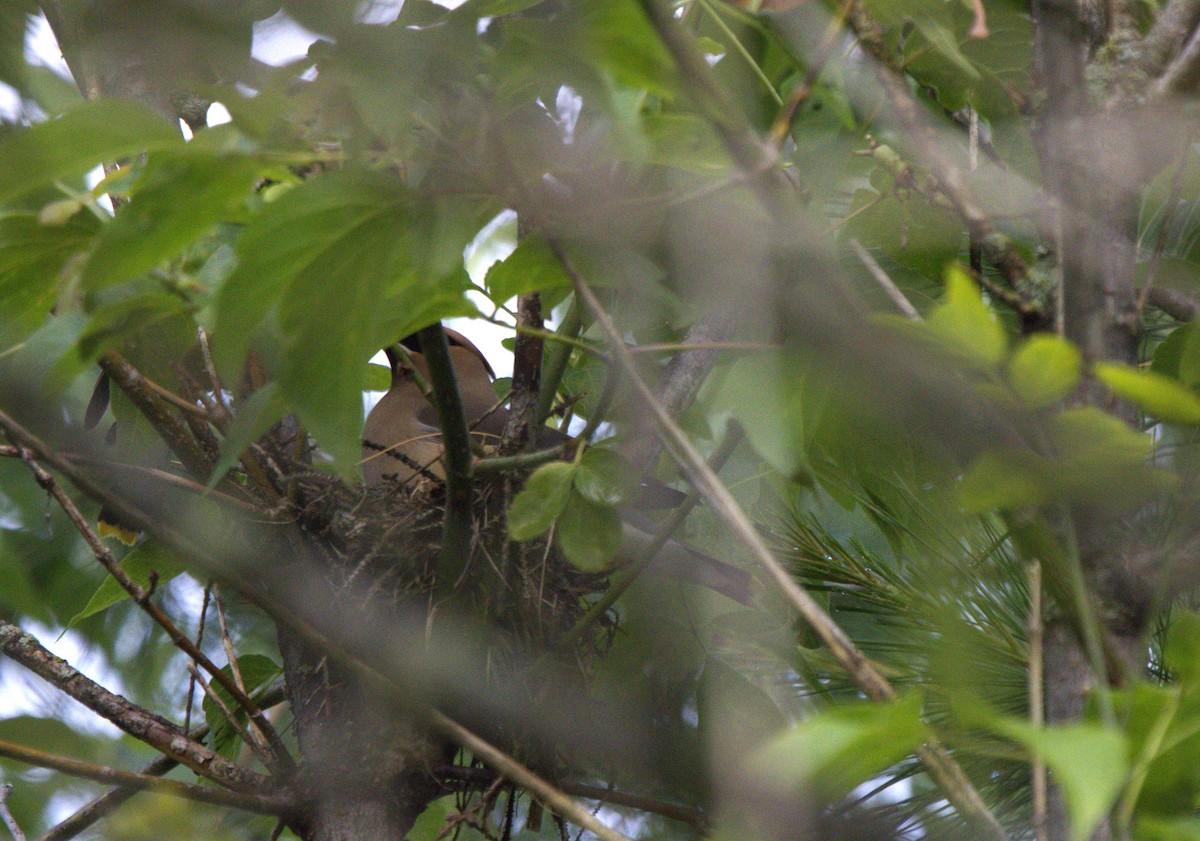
<point>1044,370</point>
<point>841,747</point>
<point>14,18</point>
<point>52,93</point>
<point>1007,480</point>
<point>605,477</point>
<point>293,265</point>
<point>86,136</point>
<point>541,501</point>
<point>255,417</point>
<point>177,198</point>
<point>1182,648</point>
<point>1089,762</point>
<point>48,734</point>
<point>1160,396</point>
<point>778,399</point>
<point>966,327</point>
<point>531,267</point>
<point>379,378</point>
<point>257,671</point>
<point>32,259</point>
<point>1150,828</point>
<point>144,562</point>
<point>1169,356</point>
<point>589,534</point>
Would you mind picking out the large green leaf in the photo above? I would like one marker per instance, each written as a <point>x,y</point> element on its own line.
<point>964,324</point>
<point>331,267</point>
<point>531,267</point>
<point>93,133</point>
<point>1089,762</point>
<point>589,533</point>
<point>1044,370</point>
<point>841,747</point>
<point>541,501</point>
<point>33,257</point>
<point>149,561</point>
<point>177,199</point>
<point>1162,397</point>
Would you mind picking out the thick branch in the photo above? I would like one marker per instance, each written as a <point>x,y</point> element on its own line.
<point>157,732</point>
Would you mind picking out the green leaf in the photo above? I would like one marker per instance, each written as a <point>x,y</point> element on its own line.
<point>14,17</point>
<point>1088,761</point>
<point>1007,479</point>
<point>32,259</point>
<point>256,415</point>
<point>142,562</point>
<point>965,326</point>
<point>1182,649</point>
<point>1044,370</point>
<point>541,501</point>
<point>1159,396</point>
<point>532,267</point>
<point>779,400</point>
<point>338,250</point>
<point>1150,828</point>
<point>1168,356</point>
<point>605,477</point>
<point>86,136</point>
<point>257,671</point>
<point>178,198</point>
<point>842,747</point>
<point>1102,462</point>
<point>589,534</point>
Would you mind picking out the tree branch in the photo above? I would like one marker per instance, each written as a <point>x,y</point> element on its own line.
<point>263,804</point>
<point>157,732</point>
<point>279,758</point>
<point>508,767</point>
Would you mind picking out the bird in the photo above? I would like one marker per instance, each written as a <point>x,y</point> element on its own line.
<point>402,443</point>
<point>402,438</point>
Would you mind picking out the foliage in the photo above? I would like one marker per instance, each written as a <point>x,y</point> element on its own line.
<point>909,471</point>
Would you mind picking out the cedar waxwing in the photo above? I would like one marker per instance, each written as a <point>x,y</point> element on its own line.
<point>401,438</point>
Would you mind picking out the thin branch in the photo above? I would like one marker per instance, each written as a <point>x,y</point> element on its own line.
<point>104,805</point>
<point>1177,20</point>
<point>262,804</point>
<point>1181,306</point>
<point>281,760</point>
<point>9,820</point>
<point>155,731</point>
<point>685,814</point>
<point>458,527</point>
<point>941,767</point>
<point>886,283</point>
<point>1183,71</point>
<point>503,764</point>
<point>278,592</point>
<point>151,404</point>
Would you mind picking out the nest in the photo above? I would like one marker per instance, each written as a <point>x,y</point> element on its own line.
<point>382,545</point>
